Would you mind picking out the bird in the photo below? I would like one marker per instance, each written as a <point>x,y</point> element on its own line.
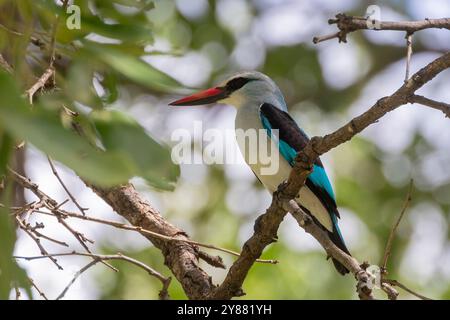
<point>260,105</point>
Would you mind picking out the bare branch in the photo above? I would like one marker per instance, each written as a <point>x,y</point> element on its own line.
<point>41,293</point>
<point>49,73</point>
<point>37,241</point>
<point>36,41</point>
<point>5,65</point>
<point>53,206</point>
<point>60,214</point>
<point>392,294</point>
<point>119,225</point>
<point>53,35</point>
<point>398,284</point>
<point>40,235</point>
<point>180,257</point>
<point>40,83</point>
<point>265,233</point>
<point>387,250</point>
<point>215,261</point>
<point>27,184</point>
<point>181,254</point>
<point>55,173</point>
<point>318,39</point>
<point>408,54</point>
<point>75,277</point>
<point>347,24</point>
<point>320,145</point>
<point>100,257</point>
<point>442,106</point>
<point>267,225</point>
<point>17,290</point>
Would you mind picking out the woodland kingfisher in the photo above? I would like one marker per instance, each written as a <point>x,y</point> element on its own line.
<point>260,105</point>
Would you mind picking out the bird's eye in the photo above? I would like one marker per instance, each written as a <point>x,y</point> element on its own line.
<point>237,83</point>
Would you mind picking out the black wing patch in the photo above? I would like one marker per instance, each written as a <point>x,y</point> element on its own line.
<point>296,138</point>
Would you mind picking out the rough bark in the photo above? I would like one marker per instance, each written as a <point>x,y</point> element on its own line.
<point>180,257</point>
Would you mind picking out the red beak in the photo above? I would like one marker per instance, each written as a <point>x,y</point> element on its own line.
<point>204,97</point>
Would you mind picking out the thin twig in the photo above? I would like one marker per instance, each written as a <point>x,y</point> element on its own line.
<point>16,33</point>
<point>49,73</point>
<point>40,235</point>
<point>17,290</point>
<point>55,173</point>
<point>37,241</point>
<point>41,293</point>
<point>81,238</point>
<point>40,83</point>
<point>151,233</point>
<point>52,49</point>
<point>408,54</point>
<point>326,37</point>
<point>5,65</point>
<point>54,207</point>
<point>400,285</point>
<point>347,24</point>
<point>215,261</point>
<point>33,187</point>
<point>36,41</point>
<point>387,253</point>
<point>391,293</point>
<point>75,277</point>
<point>442,106</point>
<point>100,257</point>
<point>387,250</point>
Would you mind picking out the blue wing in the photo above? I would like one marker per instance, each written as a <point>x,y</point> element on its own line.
<point>292,139</point>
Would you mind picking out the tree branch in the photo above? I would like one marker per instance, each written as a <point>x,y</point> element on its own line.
<point>267,225</point>
<point>56,211</point>
<point>320,145</point>
<point>40,83</point>
<point>5,65</point>
<point>143,231</point>
<point>442,106</point>
<point>104,257</point>
<point>347,24</point>
<point>180,257</point>
<point>61,182</point>
<point>41,293</point>
<point>387,250</point>
<point>408,54</point>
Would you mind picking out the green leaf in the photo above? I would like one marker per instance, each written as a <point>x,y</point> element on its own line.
<point>109,83</point>
<point>132,67</point>
<point>124,28</point>
<point>10,273</point>
<point>126,32</point>
<point>6,145</point>
<point>78,85</point>
<point>121,132</point>
<point>143,5</point>
<point>43,128</point>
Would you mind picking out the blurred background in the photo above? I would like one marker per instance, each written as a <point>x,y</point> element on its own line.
<point>199,43</point>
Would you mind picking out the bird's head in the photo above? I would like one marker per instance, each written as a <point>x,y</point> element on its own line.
<point>238,90</point>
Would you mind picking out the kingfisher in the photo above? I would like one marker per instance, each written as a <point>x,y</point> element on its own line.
<point>260,105</point>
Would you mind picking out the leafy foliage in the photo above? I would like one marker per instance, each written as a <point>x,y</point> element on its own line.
<point>10,272</point>
<point>104,147</point>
